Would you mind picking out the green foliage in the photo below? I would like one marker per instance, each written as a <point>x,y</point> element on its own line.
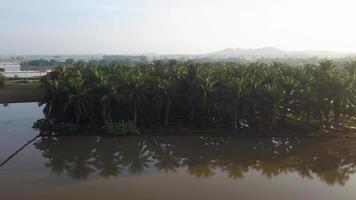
<point>122,128</point>
<point>52,127</point>
<point>43,64</point>
<point>257,96</point>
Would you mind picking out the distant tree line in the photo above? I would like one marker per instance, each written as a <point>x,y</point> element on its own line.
<point>43,64</point>
<point>46,64</point>
<point>121,59</point>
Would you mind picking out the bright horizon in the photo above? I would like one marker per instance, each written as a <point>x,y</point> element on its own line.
<point>174,26</point>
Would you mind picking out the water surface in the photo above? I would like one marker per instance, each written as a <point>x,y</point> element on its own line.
<point>175,167</point>
<point>16,122</point>
<point>182,168</point>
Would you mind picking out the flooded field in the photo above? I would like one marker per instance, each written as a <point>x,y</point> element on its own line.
<point>15,125</point>
<point>170,167</point>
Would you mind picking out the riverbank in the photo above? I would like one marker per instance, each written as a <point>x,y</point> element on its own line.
<point>21,92</point>
<point>48,128</point>
<point>292,132</point>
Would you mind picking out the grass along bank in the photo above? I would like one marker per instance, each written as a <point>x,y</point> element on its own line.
<point>21,91</point>
<point>2,80</point>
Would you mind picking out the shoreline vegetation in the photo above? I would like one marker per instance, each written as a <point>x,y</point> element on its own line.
<point>2,80</point>
<point>174,96</point>
<point>15,90</point>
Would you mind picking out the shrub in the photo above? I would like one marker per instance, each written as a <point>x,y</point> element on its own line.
<point>52,127</point>
<point>122,128</point>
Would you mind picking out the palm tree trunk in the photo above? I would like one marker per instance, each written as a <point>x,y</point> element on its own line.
<point>158,112</point>
<point>236,125</point>
<point>307,114</point>
<point>285,113</point>
<point>337,112</point>
<point>192,113</point>
<point>273,118</point>
<point>166,121</point>
<point>135,113</point>
<point>168,107</point>
<point>327,118</point>
<point>205,110</point>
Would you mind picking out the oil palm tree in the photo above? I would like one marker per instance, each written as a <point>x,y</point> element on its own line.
<point>52,98</point>
<point>78,102</point>
<point>255,95</point>
<point>274,96</point>
<point>166,95</point>
<point>137,92</point>
<point>342,95</point>
<point>201,92</point>
<point>110,97</point>
<point>237,91</point>
<point>289,86</point>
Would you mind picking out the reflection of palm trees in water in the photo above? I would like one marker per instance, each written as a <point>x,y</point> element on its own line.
<point>166,161</point>
<point>234,170</point>
<point>135,155</point>
<point>332,161</point>
<point>64,155</point>
<point>107,158</point>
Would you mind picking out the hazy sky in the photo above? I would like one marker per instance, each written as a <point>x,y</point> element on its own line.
<point>174,26</point>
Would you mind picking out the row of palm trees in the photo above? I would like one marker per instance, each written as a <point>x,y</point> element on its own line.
<point>176,93</point>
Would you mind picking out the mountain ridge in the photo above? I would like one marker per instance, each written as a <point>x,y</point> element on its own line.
<point>273,51</point>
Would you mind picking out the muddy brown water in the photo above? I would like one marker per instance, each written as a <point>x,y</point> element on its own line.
<point>170,167</point>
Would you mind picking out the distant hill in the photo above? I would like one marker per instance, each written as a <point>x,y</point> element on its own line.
<point>272,52</point>
<point>248,52</point>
